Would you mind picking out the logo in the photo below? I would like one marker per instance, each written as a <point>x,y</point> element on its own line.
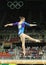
<point>15,4</point>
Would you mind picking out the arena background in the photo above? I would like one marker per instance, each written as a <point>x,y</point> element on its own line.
<point>34,12</point>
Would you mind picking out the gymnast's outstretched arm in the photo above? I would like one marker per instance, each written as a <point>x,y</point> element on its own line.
<point>11,24</point>
<point>30,24</point>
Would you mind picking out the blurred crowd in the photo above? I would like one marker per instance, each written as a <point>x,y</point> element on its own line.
<point>16,53</point>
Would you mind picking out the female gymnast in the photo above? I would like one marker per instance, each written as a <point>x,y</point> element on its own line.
<point>21,26</point>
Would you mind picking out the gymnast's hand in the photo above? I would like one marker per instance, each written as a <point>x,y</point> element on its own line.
<point>33,24</point>
<point>6,25</point>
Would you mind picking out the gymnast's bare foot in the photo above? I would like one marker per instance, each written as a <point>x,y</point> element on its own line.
<point>38,41</point>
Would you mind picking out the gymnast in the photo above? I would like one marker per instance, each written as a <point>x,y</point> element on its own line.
<point>21,26</point>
